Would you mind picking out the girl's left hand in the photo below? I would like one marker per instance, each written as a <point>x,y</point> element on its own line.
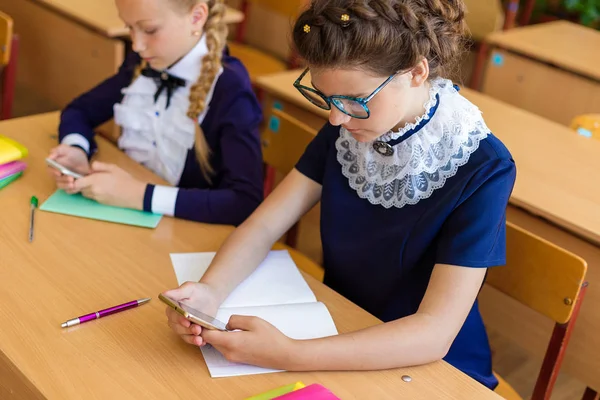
<point>257,343</point>
<point>109,184</point>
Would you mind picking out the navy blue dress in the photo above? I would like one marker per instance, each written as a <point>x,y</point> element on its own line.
<point>382,258</point>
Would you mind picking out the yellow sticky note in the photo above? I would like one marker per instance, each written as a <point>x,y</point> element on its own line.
<point>271,394</point>
<point>11,150</point>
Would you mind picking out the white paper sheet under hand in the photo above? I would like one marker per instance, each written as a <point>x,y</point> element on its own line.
<point>275,292</point>
<point>275,281</point>
<point>298,321</point>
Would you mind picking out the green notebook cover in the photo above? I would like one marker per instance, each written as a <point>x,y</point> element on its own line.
<point>79,206</point>
<point>9,179</point>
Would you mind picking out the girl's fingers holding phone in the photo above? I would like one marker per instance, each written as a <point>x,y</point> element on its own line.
<point>177,319</point>
<point>53,172</point>
<point>179,329</point>
<point>193,340</point>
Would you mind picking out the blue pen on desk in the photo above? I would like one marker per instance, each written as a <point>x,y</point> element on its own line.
<point>33,205</point>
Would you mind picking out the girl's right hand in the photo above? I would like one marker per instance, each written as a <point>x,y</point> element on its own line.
<point>70,157</point>
<point>200,296</point>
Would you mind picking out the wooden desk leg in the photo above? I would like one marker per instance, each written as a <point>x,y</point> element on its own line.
<point>511,14</point>
<point>477,75</point>
<point>526,13</point>
<point>9,79</point>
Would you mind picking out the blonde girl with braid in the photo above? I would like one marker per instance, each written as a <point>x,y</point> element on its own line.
<point>413,189</point>
<point>187,112</point>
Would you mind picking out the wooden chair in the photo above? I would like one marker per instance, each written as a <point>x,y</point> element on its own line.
<point>284,140</point>
<point>587,125</point>
<point>484,17</point>
<point>9,48</point>
<point>265,50</point>
<point>549,280</point>
<point>487,16</point>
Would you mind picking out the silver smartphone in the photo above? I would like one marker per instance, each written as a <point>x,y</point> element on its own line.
<point>62,169</point>
<point>193,315</point>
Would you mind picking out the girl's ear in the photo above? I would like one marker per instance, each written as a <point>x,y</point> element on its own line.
<point>199,15</point>
<point>420,73</point>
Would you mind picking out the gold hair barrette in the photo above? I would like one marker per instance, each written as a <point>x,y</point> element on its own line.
<point>345,20</point>
<point>306,28</point>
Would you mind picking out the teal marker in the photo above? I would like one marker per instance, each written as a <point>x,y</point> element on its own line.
<point>33,205</point>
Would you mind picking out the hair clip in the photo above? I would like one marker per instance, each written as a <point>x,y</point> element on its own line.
<point>306,28</point>
<point>345,20</point>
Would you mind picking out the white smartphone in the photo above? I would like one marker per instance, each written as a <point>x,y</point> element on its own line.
<point>62,169</point>
<point>193,315</point>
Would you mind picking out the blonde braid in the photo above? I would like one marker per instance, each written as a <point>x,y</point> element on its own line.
<point>215,31</point>
<point>138,70</point>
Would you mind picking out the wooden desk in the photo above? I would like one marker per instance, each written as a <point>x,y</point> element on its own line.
<point>76,265</point>
<point>556,179</point>
<point>102,15</point>
<point>69,46</point>
<point>551,69</point>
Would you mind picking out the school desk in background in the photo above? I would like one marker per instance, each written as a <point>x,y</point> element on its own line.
<point>11,166</point>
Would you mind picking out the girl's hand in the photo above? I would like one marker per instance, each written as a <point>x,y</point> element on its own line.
<point>200,296</point>
<point>72,158</point>
<point>109,184</point>
<point>257,343</point>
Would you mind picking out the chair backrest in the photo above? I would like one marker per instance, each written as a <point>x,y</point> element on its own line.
<point>539,274</point>
<point>268,25</point>
<point>6,36</point>
<point>587,125</point>
<point>484,17</point>
<point>284,140</point>
<point>549,280</point>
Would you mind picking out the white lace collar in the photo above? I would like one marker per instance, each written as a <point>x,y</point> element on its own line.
<point>429,151</point>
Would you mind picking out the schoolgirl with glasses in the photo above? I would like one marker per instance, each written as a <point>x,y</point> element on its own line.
<point>413,189</point>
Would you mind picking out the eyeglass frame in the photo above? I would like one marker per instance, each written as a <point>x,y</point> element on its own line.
<point>329,99</point>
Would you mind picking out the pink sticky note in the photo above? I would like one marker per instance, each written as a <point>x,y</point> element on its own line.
<point>11,168</point>
<point>312,392</point>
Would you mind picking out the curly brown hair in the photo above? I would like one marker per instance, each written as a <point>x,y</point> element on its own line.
<point>382,36</point>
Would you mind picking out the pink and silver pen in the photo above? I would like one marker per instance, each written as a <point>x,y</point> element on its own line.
<point>104,313</point>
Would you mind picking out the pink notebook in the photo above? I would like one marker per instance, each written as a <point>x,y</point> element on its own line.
<point>11,168</point>
<point>312,392</point>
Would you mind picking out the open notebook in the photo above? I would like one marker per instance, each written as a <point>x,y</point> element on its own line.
<point>276,292</point>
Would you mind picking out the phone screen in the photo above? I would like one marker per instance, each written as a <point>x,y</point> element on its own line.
<point>195,316</point>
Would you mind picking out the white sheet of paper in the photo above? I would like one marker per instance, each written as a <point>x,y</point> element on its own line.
<point>275,292</point>
<point>277,280</point>
<point>298,321</point>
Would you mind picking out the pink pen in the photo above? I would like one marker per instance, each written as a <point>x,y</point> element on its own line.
<point>104,313</point>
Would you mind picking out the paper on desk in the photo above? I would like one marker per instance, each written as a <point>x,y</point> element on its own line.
<point>275,292</point>
<point>79,206</point>
<point>277,280</point>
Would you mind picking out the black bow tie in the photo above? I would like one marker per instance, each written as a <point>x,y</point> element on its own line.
<point>163,80</point>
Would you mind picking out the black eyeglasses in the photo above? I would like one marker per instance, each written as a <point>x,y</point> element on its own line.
<point>356,107</point>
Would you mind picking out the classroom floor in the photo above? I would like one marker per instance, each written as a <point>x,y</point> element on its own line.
<point>512,362</point>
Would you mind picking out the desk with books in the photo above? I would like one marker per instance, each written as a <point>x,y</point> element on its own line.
<point>77,265</point>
